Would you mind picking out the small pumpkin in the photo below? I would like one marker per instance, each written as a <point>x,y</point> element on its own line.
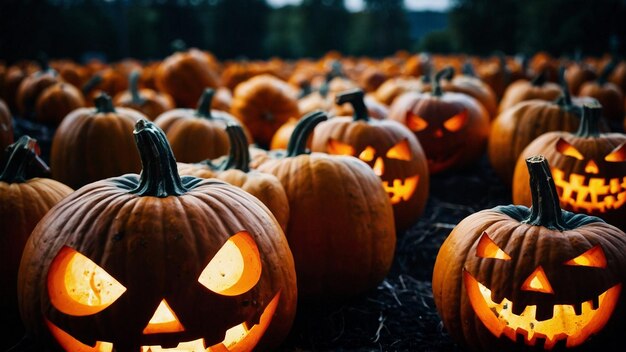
<point>471,85</point>
<point>578,73</point>
<point>94,143</point>
<point>197,134</point>
<point>522,90</point>
<point>150,102</point>
<point>31,88</point>
<point>185,76</point>
<point>25,197</point>
<point>56,101</point>
<point>388,147</point>
<point>156,261</point>
<point>394,87</point>
<point>341,229</point>
<point>607,93</point>
<point>589,168</point>
<point>6,125</point>
<point>235,169</point>
<point>514,278</point>
<point>263,103</point>
<point>451,127</point>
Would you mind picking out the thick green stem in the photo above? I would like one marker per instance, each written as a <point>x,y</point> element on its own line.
<point>239,155</point>
<point>159,176</point>
<point>436,82</point>
<point>302,131</point>
<point>590,120</point>
<point>91,84</point>
<point>104,104</point>
<point>565,100</point>
<point>356,98</point>
<point>204,105</point>
<point>606,72</point>
<point>133,86</point>
<point>23,162</point>
<point>468,69</point>
<point>545,210</point>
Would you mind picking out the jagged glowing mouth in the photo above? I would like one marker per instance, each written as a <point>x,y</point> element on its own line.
<point>401,190</point>
<point>233,336</point>
<point>564,323</point>
<point>594,194</point>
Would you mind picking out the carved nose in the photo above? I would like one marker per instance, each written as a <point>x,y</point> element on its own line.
<point>379,166</point>
<point>439,133</point>
<point>163,321</point>
<point>537,282</point>
<point>591,167</point>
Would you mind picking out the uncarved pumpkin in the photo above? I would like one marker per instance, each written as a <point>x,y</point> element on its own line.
<point>56,101</point>
<point>150,102</point>
<point>6,126</point>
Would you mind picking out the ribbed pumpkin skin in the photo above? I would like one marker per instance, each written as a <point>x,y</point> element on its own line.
<point>523,90</point>
<point>153,104</point>
<point>6,126</point>
<point>475,88</point>
<point>341,228</point>
<point>528,247</point>
<point>515,128</point>
<point>609,95</point>
<point>157,248</point>
<point>31,88</point>
<point>90,146</point>
<point>56,102</point>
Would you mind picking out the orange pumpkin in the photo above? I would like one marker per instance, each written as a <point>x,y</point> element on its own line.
<point>6,126</point>
<point>56,102</point>
<point>607,93</point>
<point>522,90</point>
<point>31,88</point>
<point>151,103</point>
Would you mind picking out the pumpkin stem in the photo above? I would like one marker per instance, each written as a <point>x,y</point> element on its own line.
<point>355,98</point>
<point>133,86</point>
<point>539,79</point>
<point>506,72</point>
<point>23,161</point>
<point>159,175</point>
<point>565,100</point>
<point>92,83</point>
<point>545,210</point>
<point>302,131</point>
<point>449,74</point>
<point>239,155</point>
<point>204,105</point>
<point>104,104</point>
<point>606,72</point>
<point>590,120</point>
<point>436,81</point>
<point>468,69</point>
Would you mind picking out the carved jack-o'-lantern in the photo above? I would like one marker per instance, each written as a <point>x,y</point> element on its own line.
<point>589,169</point>
<point>452,127</point>
<point>513,277</point>
<point>390,148</point>
<point>202,265</point>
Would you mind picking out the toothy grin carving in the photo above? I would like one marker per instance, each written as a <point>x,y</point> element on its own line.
<point>400,190</point>
<point>592,194</point>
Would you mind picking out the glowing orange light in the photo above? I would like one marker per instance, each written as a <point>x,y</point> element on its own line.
<point>456,122</point>
<point>563,147</point>
<point>438,133</point>
<point>415,122</point>
<point>399,190</point>
<point>236,267</point>
<point>164,320</point>
<point>618,154</point>
<point>592,194</point>
<point>537,282</point>
<point>591,167</point>
<point>379,166</point>
<point>336,147</point>
<point>78,286</point>
<point>488,249</point>
<point>594,257</point>
<point>367,154</point>
<point>400,151</point>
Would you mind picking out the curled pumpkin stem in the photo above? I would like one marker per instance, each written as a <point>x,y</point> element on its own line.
<point>23,162</point>
<point>239,155</point>
<point>436,82</point>
<point>204,104</point>
<point>133,86</point>
<point>356,98</point>
<point>302,131</point>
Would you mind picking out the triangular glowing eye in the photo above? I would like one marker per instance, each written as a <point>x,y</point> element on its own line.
<point>367,154</point>
<point>456,122</point>
<point>235,268</point>
<point>537,282</point>
<point>415,122</point>
<point>563,147</point>
<point>164,320</point>
<point>400,151</point>
<point>336,147</point>
<point>617,155</point>
<point>78,286</point>
<point>488,249</point>
<point>594,257</point>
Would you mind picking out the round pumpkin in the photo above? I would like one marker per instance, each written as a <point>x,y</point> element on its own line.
<point>394,87</point>
<point>388,147</point>
<point>31,88</point>
<point>25,197</point>
<point>341,229</point>
<point>12,80</point>
<point>263,103</point>
<point>197,134</point>
<point>607,93</point>
<point>6,126</point>
<point>451,127</point>
<point>185,76</point>
<point>522,90</point>
<point>147,101</point>
<point>577,74</point>
<point>471,85</point>
<point>514,278</point>
<point>157,260</point>
<point>94,143</point>
<point>589,168</point>
<point>56,101</point>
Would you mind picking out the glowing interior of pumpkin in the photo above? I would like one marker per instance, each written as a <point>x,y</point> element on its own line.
<point>617,155</point>
<point>236,267</point>
<point>400,151</point>
<point>563,147</point>
<point>592,194</point>
<point>415,123</point>
<point>78,286</point>
<point>565,323</point>
<point>164,320</point>
<point>456,122</point>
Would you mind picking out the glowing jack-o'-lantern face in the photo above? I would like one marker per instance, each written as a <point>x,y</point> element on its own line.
<point>541,306</point>
<point>592,181</point>
<point>78,287</point>
<point>399,189</point>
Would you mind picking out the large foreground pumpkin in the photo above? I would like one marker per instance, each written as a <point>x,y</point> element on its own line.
<point>157,260</point>
<point>341,227</point>
<point>514,278</point>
